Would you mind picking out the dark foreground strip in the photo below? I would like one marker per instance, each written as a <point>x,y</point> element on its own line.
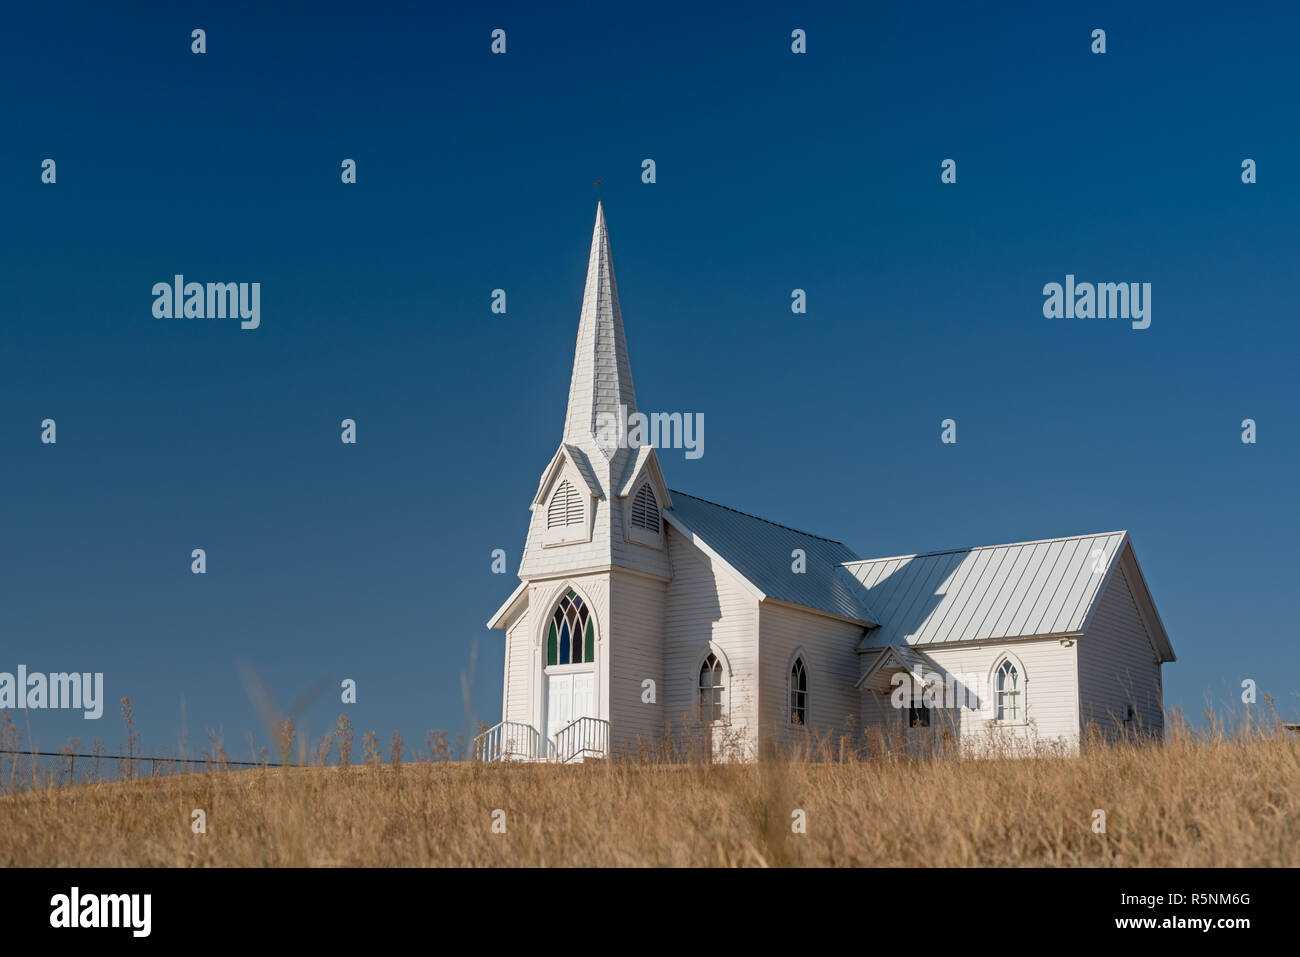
<point>644,907</point>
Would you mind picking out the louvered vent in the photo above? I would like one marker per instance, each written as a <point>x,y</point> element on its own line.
<point>565,508</point>
<point>645,510</point>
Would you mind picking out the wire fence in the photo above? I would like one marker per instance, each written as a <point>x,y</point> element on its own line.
<point>24,769</point>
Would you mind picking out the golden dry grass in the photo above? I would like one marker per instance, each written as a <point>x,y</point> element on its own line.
<point>1199,799</point>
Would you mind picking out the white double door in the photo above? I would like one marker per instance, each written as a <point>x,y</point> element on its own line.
<point>569,697</point>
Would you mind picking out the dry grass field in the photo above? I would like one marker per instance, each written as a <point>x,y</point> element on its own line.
<point>1210,798</point>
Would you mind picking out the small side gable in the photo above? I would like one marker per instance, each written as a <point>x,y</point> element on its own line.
<point>570,458</point>
<point>892,659</point>
<point>646,466</point>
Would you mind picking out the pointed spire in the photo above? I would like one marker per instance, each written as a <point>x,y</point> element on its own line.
<point>602,374</point>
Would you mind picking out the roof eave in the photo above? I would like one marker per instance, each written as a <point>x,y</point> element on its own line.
<point>498,618</point>
<point>852,620</point>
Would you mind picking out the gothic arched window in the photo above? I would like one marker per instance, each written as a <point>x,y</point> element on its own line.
<point>799,693</point>
<point>711,688</point>
<point>571,637</point>
<point>1010,706</point>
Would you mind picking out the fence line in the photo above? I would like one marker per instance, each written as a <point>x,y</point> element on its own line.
<point>145,757</point>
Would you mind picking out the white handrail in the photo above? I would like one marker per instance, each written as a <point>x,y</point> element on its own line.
<point>511,741</point>
<point>583,737</point>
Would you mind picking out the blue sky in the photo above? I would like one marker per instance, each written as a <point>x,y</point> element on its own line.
<point>475,172</point>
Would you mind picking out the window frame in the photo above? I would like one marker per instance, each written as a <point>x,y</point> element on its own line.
<point>1006,659</point>
<point>722,690</point>
<point>799,658</point>
<point>583,615</point>
<point>924,711</point>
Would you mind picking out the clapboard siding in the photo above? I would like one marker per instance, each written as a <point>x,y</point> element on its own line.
<point>1117,665</point>
<point>705,604</point>
<point>828,646</point>
<point>1049,674</point>
<point>636,650</point>
<point>519,652</point>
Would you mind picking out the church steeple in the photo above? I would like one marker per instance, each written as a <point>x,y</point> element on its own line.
<point>592,508</point>
<point>602,374</point>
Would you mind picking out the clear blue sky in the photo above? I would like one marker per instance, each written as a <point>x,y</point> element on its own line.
<point>475,172</point>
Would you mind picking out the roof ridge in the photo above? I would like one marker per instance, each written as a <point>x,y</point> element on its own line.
<point>980,548</point>
<point>758,518</point>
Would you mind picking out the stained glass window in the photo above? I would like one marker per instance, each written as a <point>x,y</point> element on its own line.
<point>571,639</point>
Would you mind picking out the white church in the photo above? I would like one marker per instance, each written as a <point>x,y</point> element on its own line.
<point>641,607</point>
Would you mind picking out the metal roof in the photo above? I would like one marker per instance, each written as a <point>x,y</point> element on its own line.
<point>998,591</point>
<point>762,552</point>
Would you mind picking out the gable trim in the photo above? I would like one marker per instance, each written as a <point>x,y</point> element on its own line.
<point>499,618</point>
<point>1131,574</point>
<point>900,654</point>
<point>565,454</point>
<point>647,461</point>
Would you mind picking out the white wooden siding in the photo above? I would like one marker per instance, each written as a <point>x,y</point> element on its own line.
<point>1049,673</point>
<point>517,705</point>
<point>636,650</point>
<point>1117,665</point>
<point>705,604</point>
<point>832,670</point>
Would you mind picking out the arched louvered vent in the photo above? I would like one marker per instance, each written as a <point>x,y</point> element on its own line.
<point>645,509</point>
<point>565,508</point>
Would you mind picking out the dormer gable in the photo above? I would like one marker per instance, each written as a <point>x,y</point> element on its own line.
<point>567,493</point>
<point>645,497</point>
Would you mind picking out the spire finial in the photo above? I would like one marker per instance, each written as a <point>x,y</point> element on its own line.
<point>597,185</point>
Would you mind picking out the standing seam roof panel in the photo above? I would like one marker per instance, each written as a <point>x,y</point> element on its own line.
<point>1033,563</point>
<point>1047,621</point>
<point>961,626</point>
<point>956,594</point>
<point>949,569</point>
<point>1019,590</point>
<point>915,591</point>
<point>1030,608</point>
<point>997,612</point>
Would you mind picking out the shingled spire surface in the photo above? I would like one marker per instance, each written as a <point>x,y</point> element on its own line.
<point>602,374</point>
